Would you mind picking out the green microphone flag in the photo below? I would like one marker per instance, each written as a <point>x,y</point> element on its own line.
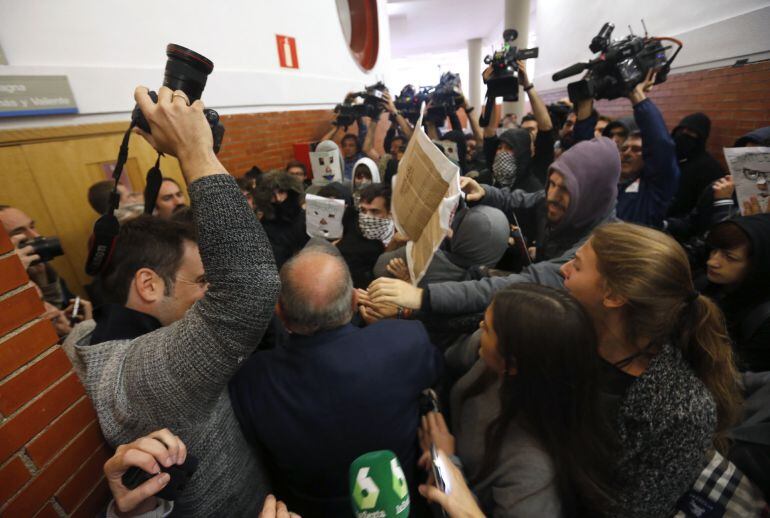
<point>378,487</point>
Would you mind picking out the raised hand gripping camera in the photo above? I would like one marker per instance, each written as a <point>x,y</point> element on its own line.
<point>187,71</point>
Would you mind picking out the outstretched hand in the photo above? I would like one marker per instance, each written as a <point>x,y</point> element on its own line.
<point>394,291</point>
<point>472,189</point>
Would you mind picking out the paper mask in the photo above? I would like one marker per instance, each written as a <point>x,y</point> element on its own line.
<point>326,167</point>
<point>450,149</point>
<point>323,217</point>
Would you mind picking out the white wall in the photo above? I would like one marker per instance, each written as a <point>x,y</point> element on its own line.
<point>714,32</point>
<point>107,47</point>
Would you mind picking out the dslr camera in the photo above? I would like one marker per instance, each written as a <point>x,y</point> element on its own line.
<point>367,103</point>
<point>620,66</point>
<point>45,247</point>
<point>446,98</point>
<point>504,79</point>
<point>186,70</point>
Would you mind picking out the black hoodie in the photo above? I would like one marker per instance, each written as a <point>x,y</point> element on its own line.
<point>753,352</point>
<point>698,167</point>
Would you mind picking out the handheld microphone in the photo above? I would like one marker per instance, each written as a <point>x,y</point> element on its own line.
<point>378,486</point>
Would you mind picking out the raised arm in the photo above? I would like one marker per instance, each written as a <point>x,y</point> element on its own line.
<point>178,372</point>
<point>478,135</point>
<point>368,147</point>
<point>539,109</point>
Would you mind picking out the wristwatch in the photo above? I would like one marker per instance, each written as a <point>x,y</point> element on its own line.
<point>529,87</point>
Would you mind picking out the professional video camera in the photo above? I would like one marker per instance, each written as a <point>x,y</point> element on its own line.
<point>367,103</point>
<point>504,80</point>
<point>445,98</point>
<point>620,67</point>
<point>409,101</point>
<point>187,71</point>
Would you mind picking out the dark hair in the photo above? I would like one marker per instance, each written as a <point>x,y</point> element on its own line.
<point>635,134</point>
<point>145,242</point>
<point>375,190</point>
<point>528,117</point>
<point>246,184</point>
<point>727,236</point>
<point>99,196</point>
<point>3,207</point>
<point>349,136</point>
<point>549,338</point>
<point>254,173</point>
<point>296,163</point>
<point>606,118</point>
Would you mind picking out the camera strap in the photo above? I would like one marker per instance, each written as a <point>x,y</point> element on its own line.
<point>152,186</point>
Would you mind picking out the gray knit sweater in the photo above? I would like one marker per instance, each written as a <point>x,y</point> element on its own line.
<point>176,376</point>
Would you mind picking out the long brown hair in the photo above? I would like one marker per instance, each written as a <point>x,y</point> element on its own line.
<point>651,271</point>
<point>554,396</point>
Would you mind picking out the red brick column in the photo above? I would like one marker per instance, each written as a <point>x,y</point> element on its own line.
<point>51,448</point>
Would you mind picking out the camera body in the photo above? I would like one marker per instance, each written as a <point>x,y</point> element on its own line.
<point>446,97</point>
<point>621,66</point>
<point>410,100</point>
<point>45,247</point>
<point>186,70</point>
<point>504,80</point>
<point>367,103</point>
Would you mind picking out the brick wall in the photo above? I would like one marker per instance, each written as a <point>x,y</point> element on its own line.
<point>265,139</point>
<point>735,98</point>
<point>51,449</point>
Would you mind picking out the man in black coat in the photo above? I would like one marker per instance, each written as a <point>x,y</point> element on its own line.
<point>697,166</point>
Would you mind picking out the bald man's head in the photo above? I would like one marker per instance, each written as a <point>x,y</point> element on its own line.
<point>316,292</point>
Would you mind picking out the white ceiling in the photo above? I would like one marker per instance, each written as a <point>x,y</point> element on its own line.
<point>425,26</point>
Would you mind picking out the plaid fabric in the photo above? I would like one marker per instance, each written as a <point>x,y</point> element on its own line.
<point>722,490</point>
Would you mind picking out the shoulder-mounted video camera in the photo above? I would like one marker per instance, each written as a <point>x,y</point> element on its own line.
<point>187,71</point>
<point>409,101</point>
<point>620,66</point>
<point>504,79</point>
<point>367,103</point>
<point>445,98</point>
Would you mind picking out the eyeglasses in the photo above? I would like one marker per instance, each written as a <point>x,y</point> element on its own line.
<point>629,147</point>
<point>754,175</point>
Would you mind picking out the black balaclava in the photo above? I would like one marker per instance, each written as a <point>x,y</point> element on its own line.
<point>688,146</point>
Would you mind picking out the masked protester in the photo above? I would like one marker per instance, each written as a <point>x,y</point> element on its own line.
<point>284,217</point>
<point>698,168</point>
<point>365,172</point>
<point>512,162</point>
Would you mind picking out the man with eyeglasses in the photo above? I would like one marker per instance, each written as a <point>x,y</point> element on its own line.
<point>649,172</point>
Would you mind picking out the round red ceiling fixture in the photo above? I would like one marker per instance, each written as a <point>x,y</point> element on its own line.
<point>360,25</point>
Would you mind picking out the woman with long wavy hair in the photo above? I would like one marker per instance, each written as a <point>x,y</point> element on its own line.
<point>668,364</point>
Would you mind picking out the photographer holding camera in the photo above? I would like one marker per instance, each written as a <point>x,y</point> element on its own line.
<point>35,252</point>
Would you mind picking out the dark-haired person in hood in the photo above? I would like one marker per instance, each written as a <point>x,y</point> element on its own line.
<point>518,158</point>
<point>581,194</point>
<point>697,166</point>
<point>284,217</point>
<point>619,129</point>
<point>738,273</point>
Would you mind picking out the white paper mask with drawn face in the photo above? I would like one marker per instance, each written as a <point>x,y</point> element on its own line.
<point>323,217</point>
<point>326,167</point>
<point>450,149</point>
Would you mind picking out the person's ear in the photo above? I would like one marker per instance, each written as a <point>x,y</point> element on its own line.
<point>279,312</point>
<point>355,300</point>
<point>612,300</point>
<point>148,285</point>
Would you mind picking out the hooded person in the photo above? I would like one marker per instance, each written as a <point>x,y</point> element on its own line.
<point>365,172</point>
<point>738,278</point>
<point>479,238</point>
<point>512,161</point>
<point>696,165</point>
<point>458,137</point>
<point>284,217</point>
<point>581,195</point>
<point>326,164</point>
<point>619,129</point>
<point>757,137</point>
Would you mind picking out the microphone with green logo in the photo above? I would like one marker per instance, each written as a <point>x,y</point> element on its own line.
<point>378,487</point>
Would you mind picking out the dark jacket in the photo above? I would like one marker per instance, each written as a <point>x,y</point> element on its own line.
<point>646,199</point>
<point>323,400</point>
<point>699,169</point>
<point>520,141</point>
<point>759,136</point>
<point>753,352</point>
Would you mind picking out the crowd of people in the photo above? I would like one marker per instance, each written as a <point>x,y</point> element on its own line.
<point>596,324</point>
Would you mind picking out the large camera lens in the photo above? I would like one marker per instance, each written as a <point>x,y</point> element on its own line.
<point>186,70</point>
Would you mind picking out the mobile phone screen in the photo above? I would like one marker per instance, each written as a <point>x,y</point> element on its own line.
<point>440,471</point>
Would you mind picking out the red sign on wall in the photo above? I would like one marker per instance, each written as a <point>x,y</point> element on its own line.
<point>287,51</point>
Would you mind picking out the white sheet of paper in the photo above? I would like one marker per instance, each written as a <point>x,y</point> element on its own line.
<point>450,149</point>
<point>323,216</point>
<point>326,167</point>
<point>750,169</point>
<point>426,192</point>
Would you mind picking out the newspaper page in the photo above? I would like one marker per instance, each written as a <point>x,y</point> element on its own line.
<point>750,169</point>
<point>323,216</point>
<point>426,192</point>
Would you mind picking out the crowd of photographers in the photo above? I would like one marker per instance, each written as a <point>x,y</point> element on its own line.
<point>592,338</point>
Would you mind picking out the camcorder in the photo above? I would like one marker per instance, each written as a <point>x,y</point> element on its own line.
<point>504,79</point>
<point>409,101</point>
<point>367,103</point>
<point>620,66</point>
<point>445,98</point>
<point>46,248</point>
